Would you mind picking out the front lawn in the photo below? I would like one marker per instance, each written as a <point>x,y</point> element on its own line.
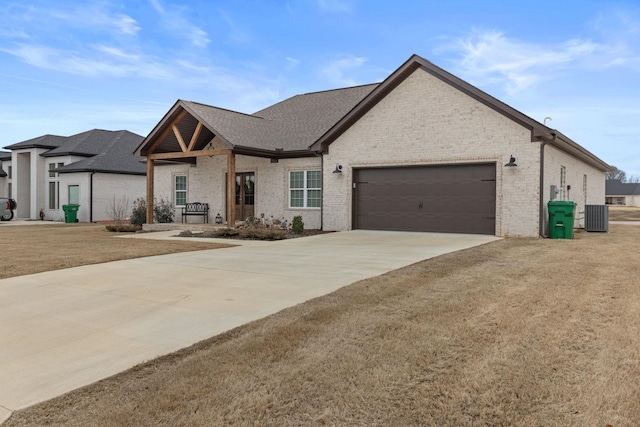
<point>516,332</point>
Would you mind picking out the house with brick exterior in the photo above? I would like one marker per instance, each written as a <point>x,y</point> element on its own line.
<point>421,151</point>
<point>90,169</point>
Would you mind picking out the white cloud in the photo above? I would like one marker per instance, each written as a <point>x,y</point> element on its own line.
<point>336,71</point>
<point>94,16</point>
<point>174,19</point>
<point>490,57</point>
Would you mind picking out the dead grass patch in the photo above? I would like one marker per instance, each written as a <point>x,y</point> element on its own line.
<point>36,248</point>
<point>516,332</point>
<point>624,213</point>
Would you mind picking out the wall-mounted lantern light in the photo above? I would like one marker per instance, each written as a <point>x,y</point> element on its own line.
<point>512,162</point>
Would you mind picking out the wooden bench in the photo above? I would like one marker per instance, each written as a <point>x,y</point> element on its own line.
<point>196,208</point>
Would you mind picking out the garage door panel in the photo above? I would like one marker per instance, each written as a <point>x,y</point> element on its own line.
<point>452,198</point>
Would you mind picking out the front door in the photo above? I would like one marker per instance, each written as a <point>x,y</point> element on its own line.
<point>245,195</point>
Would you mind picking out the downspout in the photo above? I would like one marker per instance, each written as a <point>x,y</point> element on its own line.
<point>322,203</point>
<point>91,196</point>
<point>542,212</point>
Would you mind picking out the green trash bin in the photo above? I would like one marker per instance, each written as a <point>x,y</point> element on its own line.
<point>561,216</point>
<point>70,213</point>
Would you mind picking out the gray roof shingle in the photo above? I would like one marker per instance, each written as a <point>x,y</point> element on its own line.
<point>44,141</point>
<point>291,125</point>
<point>114,154</point>
<point>615,187</point>
<point>106,151</point>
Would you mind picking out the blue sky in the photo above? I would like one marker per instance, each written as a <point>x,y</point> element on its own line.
<point>71,66</point>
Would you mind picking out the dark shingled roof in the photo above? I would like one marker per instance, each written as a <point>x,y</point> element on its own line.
<point>4,156</point>
<point>106,151</point>
<point>116,155</point>
<point>44,141</point>
<point>615,187</point>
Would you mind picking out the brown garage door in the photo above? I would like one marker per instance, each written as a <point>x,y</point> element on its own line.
<point>449,199</point>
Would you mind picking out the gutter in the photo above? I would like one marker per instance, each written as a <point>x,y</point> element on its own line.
<point>322,203</point>
<point>91,196</point>
<point>541,212</point>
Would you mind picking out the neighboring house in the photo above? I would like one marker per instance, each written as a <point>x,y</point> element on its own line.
<point>423,151</point>
<point>90,169</point>
<point>5,174</point>
<point>622,193</point>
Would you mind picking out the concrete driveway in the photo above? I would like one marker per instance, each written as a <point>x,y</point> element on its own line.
<point>64,329</point>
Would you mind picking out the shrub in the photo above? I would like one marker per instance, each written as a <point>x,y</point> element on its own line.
<point>139,213</point>
<point>123,228</point>
<point>163,211</point>
<point>297,225</point>
<point>116,210</point>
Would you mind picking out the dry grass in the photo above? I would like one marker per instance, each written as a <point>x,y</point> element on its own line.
<point>624,213</point>
<point>36,248</point>
<point>516,332</point>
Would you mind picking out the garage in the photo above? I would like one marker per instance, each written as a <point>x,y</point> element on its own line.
<point>441,198</point>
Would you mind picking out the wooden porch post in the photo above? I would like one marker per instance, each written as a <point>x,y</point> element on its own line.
<point>231,189</point>
<point>150,163</point>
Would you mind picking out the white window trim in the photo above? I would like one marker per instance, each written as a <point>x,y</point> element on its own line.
<point>304,189</point>
<point>175,191</point>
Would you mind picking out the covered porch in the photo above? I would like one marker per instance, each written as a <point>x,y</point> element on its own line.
<point>219,156</point>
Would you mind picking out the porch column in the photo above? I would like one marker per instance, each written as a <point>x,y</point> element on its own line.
<point>231,185</point>
<point>149,191</point>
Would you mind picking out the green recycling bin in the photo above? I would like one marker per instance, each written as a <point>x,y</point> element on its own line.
<point>561,216</point>
<point>70,213</point>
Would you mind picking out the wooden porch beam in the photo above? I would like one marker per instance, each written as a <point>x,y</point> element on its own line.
<point>231,189</point>
<point>195,136</point>
<point>149,191</point>
<point>164,133</point>
<point>176,132</point>
<point>176,155</point>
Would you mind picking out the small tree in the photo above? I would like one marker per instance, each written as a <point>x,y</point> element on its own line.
<point>117,210</point>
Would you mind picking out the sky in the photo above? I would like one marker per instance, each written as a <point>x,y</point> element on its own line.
<point>72,66</point>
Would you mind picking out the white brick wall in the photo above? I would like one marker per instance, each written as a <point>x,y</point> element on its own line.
<point>423,121</point>
<point>206,183</point>
<point>426,121</point>
<point>575,172</point>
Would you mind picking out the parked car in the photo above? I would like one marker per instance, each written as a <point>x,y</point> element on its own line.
<point>7,206</point>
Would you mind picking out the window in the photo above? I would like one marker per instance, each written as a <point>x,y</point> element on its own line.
<point>74,194</point>
<point>10,172</point>
<point>179,190</point>
<point>563,182</point>
<point>54,187</point>
<point>9,191</point>
<point>53,200</point>
<point>305,189</point>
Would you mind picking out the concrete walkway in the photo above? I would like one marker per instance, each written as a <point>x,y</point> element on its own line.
<point>64,329</point>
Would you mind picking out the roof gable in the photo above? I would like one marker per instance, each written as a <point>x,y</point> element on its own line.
<point>539,132</point>
<point>291,125</point>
